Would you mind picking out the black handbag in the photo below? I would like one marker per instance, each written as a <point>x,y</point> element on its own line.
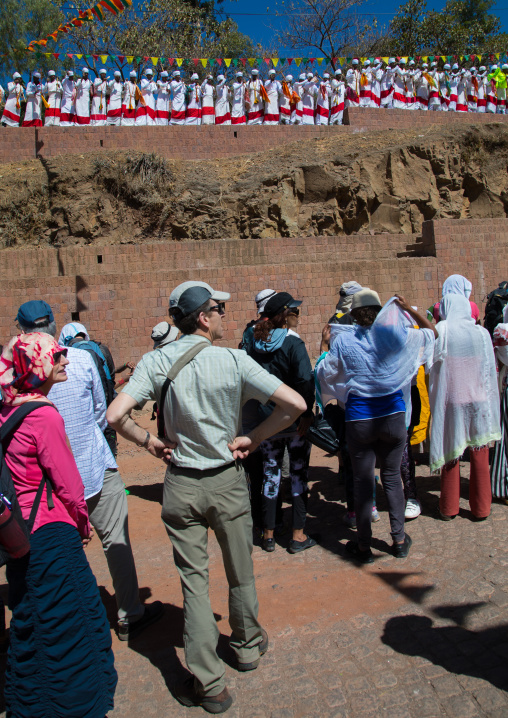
<point>327,430</point>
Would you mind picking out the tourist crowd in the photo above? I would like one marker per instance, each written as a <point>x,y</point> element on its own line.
<point>281,99</point>
<point>226,419</point>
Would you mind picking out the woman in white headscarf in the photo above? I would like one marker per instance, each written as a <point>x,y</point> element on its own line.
<point>464,403</point>
<point>368,370</point>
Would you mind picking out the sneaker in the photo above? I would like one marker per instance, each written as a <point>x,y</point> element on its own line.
<point>268,544</point>
<point>375,515</point>
<point>263,647</point>
<point>401,550</point>
<point>349,519</point>
<point>413,509</point>
<point>127,630</point>
<point>297,546</point>
<point>186,694</point>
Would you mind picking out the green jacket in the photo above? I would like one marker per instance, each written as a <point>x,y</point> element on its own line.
<point>499,78</point>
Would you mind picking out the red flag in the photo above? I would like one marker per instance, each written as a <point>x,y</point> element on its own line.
<point>243,60</point>
<point>218,60</point>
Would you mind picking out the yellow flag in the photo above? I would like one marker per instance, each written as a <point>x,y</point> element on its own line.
<point>252,61</point>
<point>130,59</point>
<point>79,57</point>
<point>179,61</point>
<point>48,54</point>
<point>425,58</point>
<point>320,60</point>
<point>497,55</point>
<point>275,61</point>
<point>443,58</point>
<point>385,60</point>
<point>227,61</point>
<point>204,61</point>
<point>154,60</point>
<point>298,61</point>
<point>342,60</point>
<point>406,59</point>
<point>104,59</point>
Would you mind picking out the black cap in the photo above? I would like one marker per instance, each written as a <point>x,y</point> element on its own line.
<point>275,305</point>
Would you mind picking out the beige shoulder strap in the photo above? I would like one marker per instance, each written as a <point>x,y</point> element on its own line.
<point>185,359</point>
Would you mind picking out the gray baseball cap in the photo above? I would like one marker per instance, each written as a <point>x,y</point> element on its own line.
<point>187,297</point>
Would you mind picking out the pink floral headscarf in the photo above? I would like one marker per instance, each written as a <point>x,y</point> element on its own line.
<point>25,365</point>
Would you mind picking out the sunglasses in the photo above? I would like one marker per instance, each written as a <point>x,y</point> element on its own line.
<point>294,311</point>
<point>220,308</point>
<point>58,355</point>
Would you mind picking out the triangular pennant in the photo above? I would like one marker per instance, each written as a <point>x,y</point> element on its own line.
<point>104,59</point>
<point>130,59</point>
<point>121,58</point>
<point>88,57</point>
<point>146,59</point>
<point>179,61</point>
<point>252,61</point>
<point>211,61</point>
<point>473,58</point>
<point>282,60</point>
<point>79,57</point>
<point>289,61</point>
<point>171,61</point>
<point>342,60</point>
<point>334,60</point>
<point>227,61</point>
<point>56,55</point>
<point>267,60</point>
<point>243,60</point>
<point>348,60</point>
<point>109,5</point>
<point>98,12</point>
<point>320,60</point>
<point>298,61</point>
<point>275,61</point>
<point>204,61</point>
<point>218,60</point>
<point>385,60</point>
<point>425,58</point>
<point>466,58</point>
<point>497,55</point>
<point>95,57</point>
<point>235,62</point>
<point>305,60</point>
<point>138,60</point>
<point>155,60</point>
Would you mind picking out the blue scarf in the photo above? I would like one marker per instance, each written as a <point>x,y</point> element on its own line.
<point>275,341</point>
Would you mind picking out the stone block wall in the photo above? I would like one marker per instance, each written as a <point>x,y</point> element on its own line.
<point>121,292</point>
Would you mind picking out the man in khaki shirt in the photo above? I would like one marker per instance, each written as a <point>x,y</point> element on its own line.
<point>205,485</point>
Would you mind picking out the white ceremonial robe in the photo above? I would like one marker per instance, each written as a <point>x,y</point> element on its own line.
<point>387,87</point>
<point>422,93</point>
<point>162,103</point>
<point>444,90</point>
<point>11,113</point>
<point>115,91</point>
<point>207,103</point>
<point>83,89</point>
<point>273,90</point>
<point>352,88</point>
<point>222,110</point>
<point>178,89</point>
<point>434,98</point>
<point>193,110</point>
<point>145,113</point>
<point>297,112</point>
<point>411,89</point>
<point>377,75</point>
<point>399,89</point>
<point>33,117</point>
<point>309,91</point>
<point>481,105</point>
<point>238,116</point>
<point>53,91</point>
<point>99,111</point>
<point>366,87</point>
<point>256,105</point>
<point>285,104</point>
<point>472,93</point>
<point>454,83</point>
<point>491,96</point>
<point>68,107</point>
<point>462,94</point>
<point>324,92</point>
<point>129,103</point>
<point>337,102</point>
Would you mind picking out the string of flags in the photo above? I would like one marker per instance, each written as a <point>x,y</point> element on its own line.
<point>98,11</point>
<point>251,61</point>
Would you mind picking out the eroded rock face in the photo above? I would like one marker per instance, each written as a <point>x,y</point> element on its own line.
<point>381,182</point>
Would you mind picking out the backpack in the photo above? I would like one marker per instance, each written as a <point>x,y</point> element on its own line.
<point>496,302</point>
<point>107,381</point>
<point>7,490</point>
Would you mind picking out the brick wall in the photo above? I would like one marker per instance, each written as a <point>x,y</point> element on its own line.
<point>209,142</point>
<point>121,292</point>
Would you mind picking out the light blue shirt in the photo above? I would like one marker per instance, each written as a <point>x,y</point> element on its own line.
<point>82,404</point>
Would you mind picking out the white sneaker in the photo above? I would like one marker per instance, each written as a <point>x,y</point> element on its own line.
<point>413,509</point>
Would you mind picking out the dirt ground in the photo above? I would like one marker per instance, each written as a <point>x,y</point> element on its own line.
<point>425,636</point>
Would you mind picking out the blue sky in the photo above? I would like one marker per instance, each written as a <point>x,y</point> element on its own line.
<point>256,17</point>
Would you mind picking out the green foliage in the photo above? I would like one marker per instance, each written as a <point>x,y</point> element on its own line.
<point>462,27</point>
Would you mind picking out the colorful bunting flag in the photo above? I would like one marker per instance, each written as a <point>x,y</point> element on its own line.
<point>298,61</point>
<point>204,61</point>
<point>227,61</point>
<point>179,61</point>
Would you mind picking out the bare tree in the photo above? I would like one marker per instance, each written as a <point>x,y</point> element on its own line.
<point>333,27</point>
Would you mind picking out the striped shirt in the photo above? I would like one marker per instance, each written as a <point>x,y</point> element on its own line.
<point>82,404</point>
<point>202,412</point>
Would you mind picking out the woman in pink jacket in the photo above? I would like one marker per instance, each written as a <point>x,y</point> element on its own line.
<point>60,661</point>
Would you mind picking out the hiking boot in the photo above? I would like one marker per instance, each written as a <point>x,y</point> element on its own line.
<point>349,519</point>
<point>127,629</point>
<point>186,694</point>
<point>263,647</point>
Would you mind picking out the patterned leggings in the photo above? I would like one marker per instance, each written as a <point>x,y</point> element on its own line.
<point>272,451</point>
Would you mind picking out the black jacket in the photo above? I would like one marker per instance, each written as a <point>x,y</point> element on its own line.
<point>291,364</point>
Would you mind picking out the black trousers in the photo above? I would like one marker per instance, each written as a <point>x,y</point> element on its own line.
<point>381,439</point>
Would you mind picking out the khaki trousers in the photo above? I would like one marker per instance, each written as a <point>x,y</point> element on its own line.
<point>193,502</point>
